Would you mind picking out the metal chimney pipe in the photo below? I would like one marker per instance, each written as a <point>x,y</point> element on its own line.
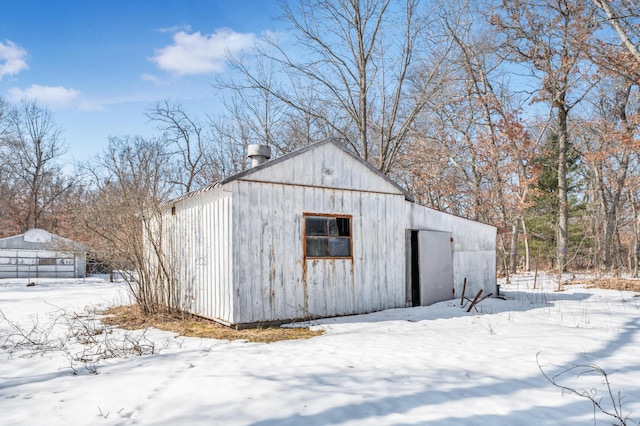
<point>258,154</point>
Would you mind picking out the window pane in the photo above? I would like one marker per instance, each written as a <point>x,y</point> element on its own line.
<point>333,226</point>
<point>315,226</point>
<point>317,247</point>
<point>339,247</point>
<point>344,228</point>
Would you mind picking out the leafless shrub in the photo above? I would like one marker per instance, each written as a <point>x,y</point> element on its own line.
<point>125,216</point>
<point>81,338</point>
<point>611,404</point>
<point>36,338</point>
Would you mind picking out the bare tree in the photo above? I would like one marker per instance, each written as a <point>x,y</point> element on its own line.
<point>376,62</point>
<point>124,214</point>
<point>472,155</point>
<point>188,141</point>
<point>230,136</point>
<point>634,202</point>
<point>548,36</point>
<point>623,16</point>
<point>609,143</point>
<point>4,128</point>
<point>5,186</point>
<point>34,146</point>
<point>259,113</point>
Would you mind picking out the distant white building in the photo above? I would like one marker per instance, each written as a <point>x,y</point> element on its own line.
<point>318,233</point>
<point>40,254</point>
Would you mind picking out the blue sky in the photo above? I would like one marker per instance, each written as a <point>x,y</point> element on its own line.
<point>99,65</point>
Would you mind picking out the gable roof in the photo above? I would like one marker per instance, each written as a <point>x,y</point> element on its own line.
<point>39,239</point>
<point>333,141</point>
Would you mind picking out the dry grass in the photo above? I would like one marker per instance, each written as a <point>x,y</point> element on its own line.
<point>610,283</point>
<point>131,318</point>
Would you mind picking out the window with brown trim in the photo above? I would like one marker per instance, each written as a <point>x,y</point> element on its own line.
<point>327,236</point>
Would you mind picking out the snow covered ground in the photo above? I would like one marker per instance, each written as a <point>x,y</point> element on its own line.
<point>435,365</point>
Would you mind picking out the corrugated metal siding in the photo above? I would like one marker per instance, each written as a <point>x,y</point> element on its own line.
<point>274,282</point>
<point>200,238</point>
<point>40,264</point>
<point>326,166</point>
<point>474,246</point>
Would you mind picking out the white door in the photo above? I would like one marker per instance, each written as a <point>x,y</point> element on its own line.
<point>436,267</point>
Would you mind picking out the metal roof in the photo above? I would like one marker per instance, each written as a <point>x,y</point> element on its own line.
<point>39,239</point>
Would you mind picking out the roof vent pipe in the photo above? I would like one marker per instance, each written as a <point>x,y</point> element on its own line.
<point>258,154</point>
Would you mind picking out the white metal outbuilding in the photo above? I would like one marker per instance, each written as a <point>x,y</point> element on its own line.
<point>319,233</point>
<point>40,254</point>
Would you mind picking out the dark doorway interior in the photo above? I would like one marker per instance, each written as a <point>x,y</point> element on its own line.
<point>415,270</point>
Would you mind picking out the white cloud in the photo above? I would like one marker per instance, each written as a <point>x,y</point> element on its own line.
<point>55,96</point>
<point>174,29</point>
<point>12,59</point>
<point>201,54</point>
<point>153,79</point>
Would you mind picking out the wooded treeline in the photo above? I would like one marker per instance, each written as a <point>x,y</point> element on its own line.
<point>519,113</point>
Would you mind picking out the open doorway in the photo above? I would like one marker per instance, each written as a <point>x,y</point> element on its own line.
<point>429,268</point>
<point>415,270</point>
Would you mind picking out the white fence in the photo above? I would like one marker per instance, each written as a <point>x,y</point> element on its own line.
<point>40,264</point>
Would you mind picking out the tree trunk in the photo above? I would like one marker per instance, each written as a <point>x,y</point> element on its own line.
<point>610,204</point>
<point>503,258</point>
<point>609,231</point>
<point>527,250</point>
<point>636,233</point>
<point>514,246</point>
<point>636,254</point>
<point>563,210</point>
